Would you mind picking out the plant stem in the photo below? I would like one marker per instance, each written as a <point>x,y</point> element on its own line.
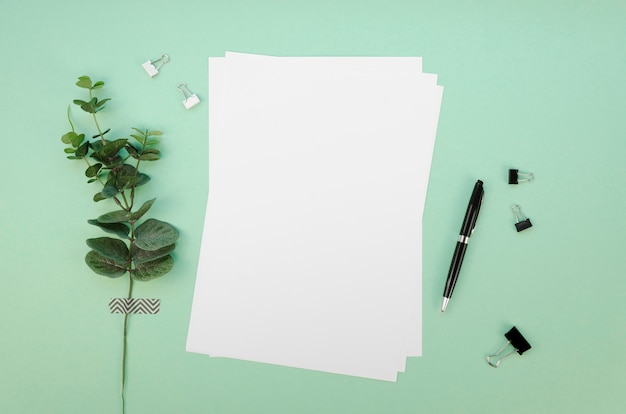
<point>130,295</point>
<point>95,119</point>
<point>129,207</point>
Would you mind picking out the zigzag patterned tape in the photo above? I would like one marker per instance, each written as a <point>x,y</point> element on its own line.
<point>135,305</point>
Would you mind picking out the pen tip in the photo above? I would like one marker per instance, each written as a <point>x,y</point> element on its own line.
<point>444,305</point>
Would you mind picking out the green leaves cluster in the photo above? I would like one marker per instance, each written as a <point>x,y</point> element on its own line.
<point>143,249</point>
<point>148,256</point>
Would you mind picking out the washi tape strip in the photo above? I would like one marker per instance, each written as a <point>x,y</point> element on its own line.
<point>135,305</point>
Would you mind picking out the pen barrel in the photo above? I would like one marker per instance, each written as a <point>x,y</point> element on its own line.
<point>455,268</point>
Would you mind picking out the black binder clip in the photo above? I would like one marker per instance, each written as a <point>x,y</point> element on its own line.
<point>517,176</point>
<point>150,67</point>
<point>514,339</point>
<point>522,222</point>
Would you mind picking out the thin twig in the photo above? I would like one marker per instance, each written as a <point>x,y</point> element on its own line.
<point>130,294</point>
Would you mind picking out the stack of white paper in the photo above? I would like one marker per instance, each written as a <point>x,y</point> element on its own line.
<point>311,251</point>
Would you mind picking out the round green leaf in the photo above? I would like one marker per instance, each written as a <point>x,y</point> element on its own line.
<point>82,150</point>
<point>142,179</point>
<point>154,234</point>
<point>103,265</point>
<point>84,82</point>
<point>98,197</point>
<point>109,190</point>
<point>110,248</point>
<point>93,170</point>
<point>125,176</point>
<point>140,256</point>
<point>152,270</point>
<point>67,138</point>
<point>111,149</point>
<point>119,229</point>
<point>118,216</point>
<point>77,139</point>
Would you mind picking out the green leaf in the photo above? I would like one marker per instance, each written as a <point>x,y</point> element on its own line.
<point>84,82</point>
<point>125,176</point>
<point>118,216</point>
<point>77,140</point>
<point>139,138</point>
<point>110,149</point>
<point>98,85</point>
<point>69,150</point>
<point>140,256</point>
<point>109,190</point>
<point>91,180</point>
<point>81,151</point>
<point>119,229</point>
<point>104,266</point>
<point>142,179</point>
<point>132,151</point>
<point>143,210</point>
<point>73,138</point>
<point>98,197</point>
<point>87,106</point>
<point>153,269</point>
<point>154,234</point>
<point>102,102</point>
<point>67,138</point>
<point>155,133</point>
<point>101,135</point>
<point>99,105</point>
<point>115,162</point>
<point>97,145</point>
<point>93,170</point>
<point>110,248</point>
<point>149,157</point>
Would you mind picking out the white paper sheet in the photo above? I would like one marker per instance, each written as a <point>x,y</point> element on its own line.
<point>311,251</point>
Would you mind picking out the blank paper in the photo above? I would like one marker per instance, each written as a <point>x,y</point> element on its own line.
<point>311,250</point>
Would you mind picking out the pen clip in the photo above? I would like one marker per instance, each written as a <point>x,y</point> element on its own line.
<point>480,203</point>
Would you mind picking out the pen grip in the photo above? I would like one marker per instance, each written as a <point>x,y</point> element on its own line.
<point>455,268</point>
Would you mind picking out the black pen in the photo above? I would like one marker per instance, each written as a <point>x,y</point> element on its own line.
<point>469,222</point>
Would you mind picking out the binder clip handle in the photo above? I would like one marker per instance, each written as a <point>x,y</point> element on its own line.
<point>522,222</point>
<point>189,99</point>
<point>517,176</point>
<point>150,67</point>
<point>516,340</point>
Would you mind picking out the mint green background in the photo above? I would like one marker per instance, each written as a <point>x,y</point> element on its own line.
<point>532,84</point>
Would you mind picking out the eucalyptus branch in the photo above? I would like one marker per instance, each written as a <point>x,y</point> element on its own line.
<point>142,247</point>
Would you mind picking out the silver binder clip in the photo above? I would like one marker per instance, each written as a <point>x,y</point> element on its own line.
<point>517,176</point>
<point>521,221</point>
<point>515,340</point>
<point>190,99</point>
<point>151,68</point>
